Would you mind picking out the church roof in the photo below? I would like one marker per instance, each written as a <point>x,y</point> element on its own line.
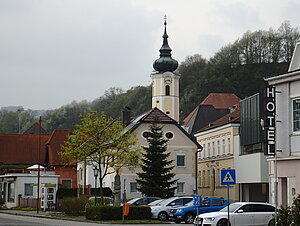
<point>156,114</point>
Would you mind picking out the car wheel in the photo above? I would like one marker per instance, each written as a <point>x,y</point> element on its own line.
<point>162,216</point>
<point>189,218</point>
<point>223,222</point>
<point>271,222</point>
<point>177,221</point>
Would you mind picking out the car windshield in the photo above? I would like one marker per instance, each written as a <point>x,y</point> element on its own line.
<point>133,200</point>
<point>232,207</point>
<point>154,203</point>
<point>165,202</point>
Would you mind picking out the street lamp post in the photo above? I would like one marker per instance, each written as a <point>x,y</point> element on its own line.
<point>96,175</point>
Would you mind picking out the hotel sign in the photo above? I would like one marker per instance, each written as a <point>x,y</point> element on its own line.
<point>269,119</point>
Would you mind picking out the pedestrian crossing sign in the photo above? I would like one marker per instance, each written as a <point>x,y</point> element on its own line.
<point>228,177</point>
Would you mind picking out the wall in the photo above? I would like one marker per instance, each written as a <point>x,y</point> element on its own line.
<point>67,173</point>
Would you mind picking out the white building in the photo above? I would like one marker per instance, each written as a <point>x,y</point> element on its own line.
<point>14,186</point>
<point>287,132</point>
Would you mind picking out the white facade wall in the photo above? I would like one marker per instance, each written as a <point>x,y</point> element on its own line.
<point>19,184</point>
<point>287,140</point>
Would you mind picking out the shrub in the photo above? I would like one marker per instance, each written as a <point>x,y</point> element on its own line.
<point>139,213</point>
<point>104,213</point>
<point>66,192</point>
<point>289,215</point>
<point>296,210</point>
<point>2,202</point>
<point>106,192</point>
<point>284,216</point>
<point>115,213</point>
<point>74,206</point>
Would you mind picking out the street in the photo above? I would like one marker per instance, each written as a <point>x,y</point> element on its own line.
<point>8,219</point>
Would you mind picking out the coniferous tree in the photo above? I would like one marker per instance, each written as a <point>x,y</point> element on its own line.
<point>156,178</point>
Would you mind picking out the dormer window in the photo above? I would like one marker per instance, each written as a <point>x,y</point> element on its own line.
<point>167,90</point>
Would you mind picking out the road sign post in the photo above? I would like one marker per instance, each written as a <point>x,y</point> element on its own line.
<point>228,178</point>
<point>196,202</point>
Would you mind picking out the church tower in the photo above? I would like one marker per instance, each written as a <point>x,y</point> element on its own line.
<point>165,83</point>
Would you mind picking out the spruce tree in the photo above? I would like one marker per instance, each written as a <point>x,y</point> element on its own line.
<point>156,178</point>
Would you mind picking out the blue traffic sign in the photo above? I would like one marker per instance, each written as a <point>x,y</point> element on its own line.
<point>196,200</point>
<point>228,177</point>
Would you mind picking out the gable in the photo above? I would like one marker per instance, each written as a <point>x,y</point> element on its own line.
<point>179,139</point>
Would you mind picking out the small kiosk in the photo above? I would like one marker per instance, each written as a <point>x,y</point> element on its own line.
<point>48,196</point>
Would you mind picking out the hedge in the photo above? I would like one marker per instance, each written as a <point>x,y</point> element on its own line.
<point>115,213</point>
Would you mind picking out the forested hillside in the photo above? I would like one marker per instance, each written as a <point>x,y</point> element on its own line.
<point>238,68</point>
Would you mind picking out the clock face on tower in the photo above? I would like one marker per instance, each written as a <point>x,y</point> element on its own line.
<point>168,80</point>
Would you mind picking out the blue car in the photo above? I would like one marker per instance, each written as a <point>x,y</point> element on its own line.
<point>188,212</point>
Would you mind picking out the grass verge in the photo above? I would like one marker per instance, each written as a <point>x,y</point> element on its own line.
<point>82,218</point>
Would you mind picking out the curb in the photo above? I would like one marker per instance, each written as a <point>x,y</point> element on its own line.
<point>45,216</point>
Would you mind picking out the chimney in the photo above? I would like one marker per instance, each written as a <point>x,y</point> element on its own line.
<point>126,116</point>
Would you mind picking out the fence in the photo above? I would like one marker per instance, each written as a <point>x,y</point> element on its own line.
<point>28,202</point>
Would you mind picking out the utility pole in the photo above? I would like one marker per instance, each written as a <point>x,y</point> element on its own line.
<point>38,186</point>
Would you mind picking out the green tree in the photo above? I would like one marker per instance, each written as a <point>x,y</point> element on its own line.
<point>156,178</point>
<point>101,142</point>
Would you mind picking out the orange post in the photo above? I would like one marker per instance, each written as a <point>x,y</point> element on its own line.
<point>126,209</point>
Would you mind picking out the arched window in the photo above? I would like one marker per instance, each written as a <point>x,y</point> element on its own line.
<point>167,90</point>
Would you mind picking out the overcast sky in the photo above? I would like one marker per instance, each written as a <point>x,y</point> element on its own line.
<point>55,51</point>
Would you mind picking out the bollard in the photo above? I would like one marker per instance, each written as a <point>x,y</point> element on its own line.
<point>126,209</point>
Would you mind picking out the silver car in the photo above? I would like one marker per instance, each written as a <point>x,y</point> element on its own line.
<point>240,214</point>
<point>161,210</point>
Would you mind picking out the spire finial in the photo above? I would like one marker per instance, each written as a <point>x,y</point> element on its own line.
<point>165,61</point>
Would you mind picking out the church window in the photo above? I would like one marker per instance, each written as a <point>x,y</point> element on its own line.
<point>180,160</point>
<point>167,90</point>
<point>146,134</point>
<point>169,135</point>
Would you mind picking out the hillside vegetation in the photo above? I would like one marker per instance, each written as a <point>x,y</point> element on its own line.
<point>236,68</point>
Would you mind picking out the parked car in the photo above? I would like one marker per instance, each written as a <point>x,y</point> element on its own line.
<point>108,201</point>
<point>240,214</point>
<point>142,201</point>
<point>161,210</point>
<point>188,212</point>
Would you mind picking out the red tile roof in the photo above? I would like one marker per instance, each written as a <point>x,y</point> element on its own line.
<point>221,100</point>
<point>218,101</point>
<point>57,139</point>
<point>22,148</point>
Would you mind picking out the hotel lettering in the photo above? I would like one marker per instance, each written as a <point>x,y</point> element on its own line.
<point>269,120</point>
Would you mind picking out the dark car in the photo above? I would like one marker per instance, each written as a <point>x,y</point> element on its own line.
<point>188,212</point>
<point>142,201</point>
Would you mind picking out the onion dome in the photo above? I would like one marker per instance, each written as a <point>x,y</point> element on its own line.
<point>165,62</point>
